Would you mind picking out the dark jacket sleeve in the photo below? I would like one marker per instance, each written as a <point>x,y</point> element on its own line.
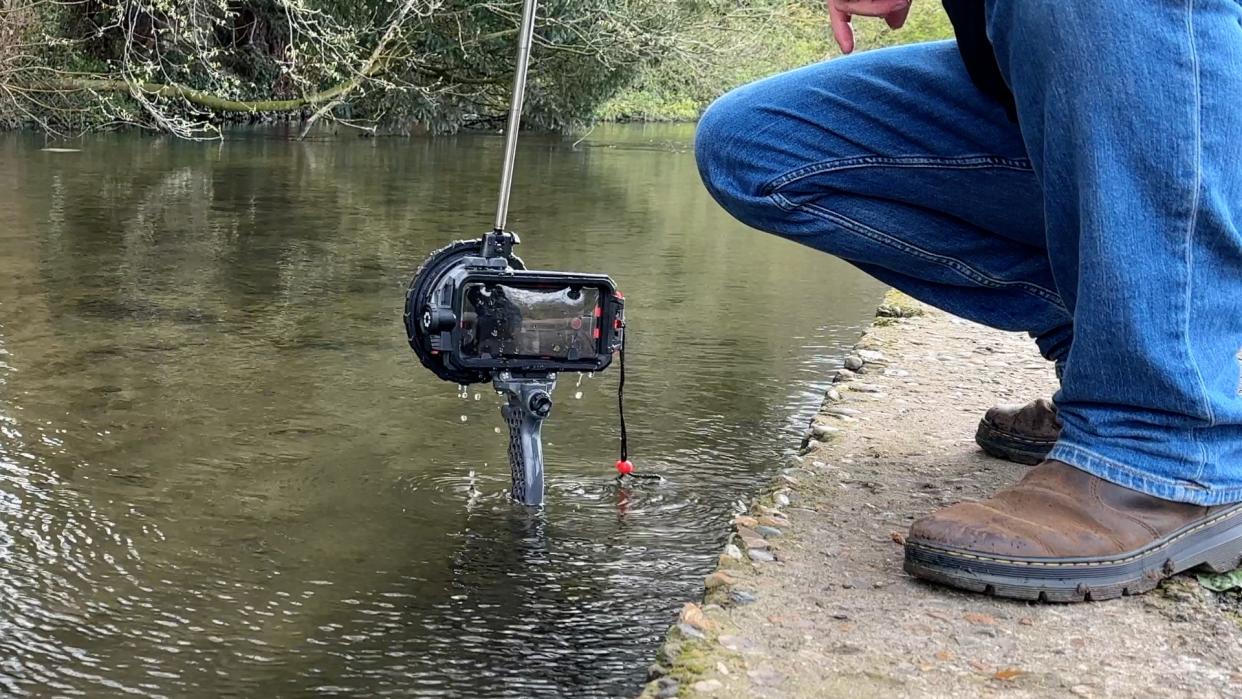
<point>970,25</point>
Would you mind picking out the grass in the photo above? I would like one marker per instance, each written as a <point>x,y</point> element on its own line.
<point>743,48</point>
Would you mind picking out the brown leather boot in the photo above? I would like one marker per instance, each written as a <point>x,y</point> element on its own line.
<point>1063,535</point>
<point>1021,433</point>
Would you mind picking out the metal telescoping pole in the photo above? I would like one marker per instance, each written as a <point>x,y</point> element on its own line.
<point>529,397</point>
<point>525,38</point>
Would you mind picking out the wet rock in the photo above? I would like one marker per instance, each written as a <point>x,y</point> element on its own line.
<point>872,357</point>
<point>843,375</point>
<point>667,656</point>
<point>690,632</point>
<point>742,597</point>
<point>824,432</point>
<point>655,671</point>
<point>733,552</point>
<point>717,579</point>
<point>704,686</point>
<point>744,521</point>
<point>769,521</point>
<point>693,616</point>
<point>781,500</point>
<point>841,411</point>
<point>751,538</point>
<point>752,543</point>
<point>768,532</point>
<point>746,532</point>
<point>666,688</point>
<point>853,362</point>
<point>833,395</point>
<point>761,555</point>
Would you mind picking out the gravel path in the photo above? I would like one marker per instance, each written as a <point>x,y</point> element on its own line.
<point>810,599</point>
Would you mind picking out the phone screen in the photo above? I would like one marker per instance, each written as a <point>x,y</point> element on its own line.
<point>551,322</point>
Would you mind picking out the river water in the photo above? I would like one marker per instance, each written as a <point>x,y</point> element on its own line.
<point>222,471</point>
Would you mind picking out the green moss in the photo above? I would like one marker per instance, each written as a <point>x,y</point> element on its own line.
<point>898,305</point>
<point>687,660</point>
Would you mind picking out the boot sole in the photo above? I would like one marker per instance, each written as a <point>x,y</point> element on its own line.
<point>1214,543</point>
<point>1011,447</point>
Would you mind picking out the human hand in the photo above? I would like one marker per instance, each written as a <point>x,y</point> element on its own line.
<point>894,13</point>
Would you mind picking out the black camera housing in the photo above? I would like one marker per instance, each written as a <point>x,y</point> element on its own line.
<point>469,317</point>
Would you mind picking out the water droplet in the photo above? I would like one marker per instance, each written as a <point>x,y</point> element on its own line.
<point>496,430</point>
<point>579,381</point>
<point>578,395</point>
<point>464,418</point>
<point>478,397</point>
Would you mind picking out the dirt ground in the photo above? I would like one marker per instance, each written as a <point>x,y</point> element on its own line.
<point>810,599</point>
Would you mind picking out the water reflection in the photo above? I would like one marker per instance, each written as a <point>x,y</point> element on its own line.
<point>222,470</point>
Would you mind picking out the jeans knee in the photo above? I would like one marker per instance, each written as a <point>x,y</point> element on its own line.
<point>729,159</point>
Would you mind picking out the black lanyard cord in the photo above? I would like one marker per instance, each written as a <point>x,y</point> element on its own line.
<point>625,440</point>
<point>624,466</point>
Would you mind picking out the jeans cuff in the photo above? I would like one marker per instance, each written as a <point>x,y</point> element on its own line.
<point>1102,466</point>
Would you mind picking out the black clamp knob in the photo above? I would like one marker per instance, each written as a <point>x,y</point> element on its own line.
<point>540,404</point>
<point>437,320</point>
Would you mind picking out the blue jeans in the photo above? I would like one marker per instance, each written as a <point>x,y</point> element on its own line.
<point>1107,222</point>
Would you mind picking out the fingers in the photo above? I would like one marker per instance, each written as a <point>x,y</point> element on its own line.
<point>872,8</point>
<point>841,29</point>
<point>897,20</point>
<point>894,13</point>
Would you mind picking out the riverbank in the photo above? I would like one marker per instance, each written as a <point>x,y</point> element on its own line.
<point>810,599</point>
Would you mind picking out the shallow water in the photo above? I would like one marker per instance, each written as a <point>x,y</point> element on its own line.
<point>222,471</point>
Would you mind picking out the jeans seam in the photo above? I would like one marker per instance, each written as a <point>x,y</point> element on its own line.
<point>966,162</point>
<point>1191,225</point>
<point>966,271</point>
